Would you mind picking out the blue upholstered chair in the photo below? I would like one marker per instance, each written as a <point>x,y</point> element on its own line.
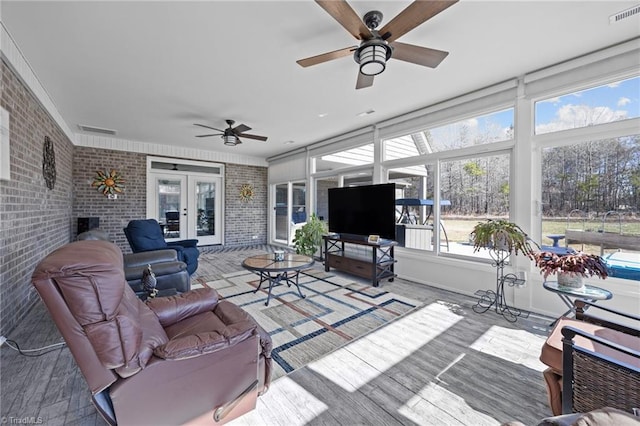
<point>147,235</point>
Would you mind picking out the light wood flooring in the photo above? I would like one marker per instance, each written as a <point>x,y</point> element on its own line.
<point>441,364</point>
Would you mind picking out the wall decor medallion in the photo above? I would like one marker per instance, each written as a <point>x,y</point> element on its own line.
<point>48,163</point>
<point>109,183</point>
<point>246,192</point>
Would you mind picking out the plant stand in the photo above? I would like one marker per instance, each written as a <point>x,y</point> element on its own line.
<point>496,299</point>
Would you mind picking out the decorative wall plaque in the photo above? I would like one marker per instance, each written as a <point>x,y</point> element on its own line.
<point>110,183</point>
<point>48,163</point>
<point>246,192</point>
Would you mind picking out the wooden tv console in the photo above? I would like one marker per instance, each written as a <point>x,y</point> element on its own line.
<point>376,265</point>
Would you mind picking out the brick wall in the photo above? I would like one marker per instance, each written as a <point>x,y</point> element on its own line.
<point>242,220</point>
<point>89,202</point>
<point>34,220</point>
<point>245,221</point>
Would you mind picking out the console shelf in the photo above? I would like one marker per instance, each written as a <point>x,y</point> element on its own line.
<point>376,265</point>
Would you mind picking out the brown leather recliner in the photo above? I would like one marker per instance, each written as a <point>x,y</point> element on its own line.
<point>189,358</point>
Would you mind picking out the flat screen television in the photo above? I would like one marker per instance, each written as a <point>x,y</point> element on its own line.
<point>363,210</point>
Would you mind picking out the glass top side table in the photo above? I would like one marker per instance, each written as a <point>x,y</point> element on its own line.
<point>588,292</point>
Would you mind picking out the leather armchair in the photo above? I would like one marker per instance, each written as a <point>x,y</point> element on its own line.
<point>172,360</point>
<point>147,235</point>
<point>169,271</point>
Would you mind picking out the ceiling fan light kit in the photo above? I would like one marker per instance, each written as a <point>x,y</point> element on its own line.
<point>230,140</point>
<point>373,56</point>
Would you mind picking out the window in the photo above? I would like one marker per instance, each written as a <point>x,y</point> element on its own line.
<point>475,188</point>
<point>598,105</point>
<point>478,130</point>
<point>591,198</point>
<point>358,156</point>
<point>414,206</point>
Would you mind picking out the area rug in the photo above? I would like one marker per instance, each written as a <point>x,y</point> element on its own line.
<point>335,311</point>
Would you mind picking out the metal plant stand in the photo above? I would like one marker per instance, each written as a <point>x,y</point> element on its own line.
<point>496,299</point>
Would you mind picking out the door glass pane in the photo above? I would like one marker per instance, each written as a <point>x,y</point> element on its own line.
<point>169,192</point>
<point>205,205</point>
<point>299,210</point>
<point>282,224</point>
<point>322,196</point>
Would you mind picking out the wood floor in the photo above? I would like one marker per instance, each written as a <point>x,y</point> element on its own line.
<point>441,364</point>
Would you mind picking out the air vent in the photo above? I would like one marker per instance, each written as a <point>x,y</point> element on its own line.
<point>624,14</point>
<point>96,130</point>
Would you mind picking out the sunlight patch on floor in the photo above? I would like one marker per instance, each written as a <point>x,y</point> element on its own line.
<point>423,409</point>
<point>360,361</point>
<point>517,346</point>
<point>270,410</point>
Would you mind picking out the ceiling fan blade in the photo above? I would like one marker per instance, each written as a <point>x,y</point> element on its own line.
<point>347,17</point>
<point>318,59</point>
<point>240,129</point>
<point>207,127</point>
<point>415,14</point>
<point>256,137</point>
<point>206,136</point>
<point>364,81</point>
<point>418,55</point>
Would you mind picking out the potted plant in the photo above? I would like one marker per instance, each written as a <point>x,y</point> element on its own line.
<point>500,234</point>
<point>571,268</point>
<point>308,238</point>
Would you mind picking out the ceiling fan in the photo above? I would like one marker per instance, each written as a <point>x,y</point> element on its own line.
<point>231,135</point>
<point>377,47</point>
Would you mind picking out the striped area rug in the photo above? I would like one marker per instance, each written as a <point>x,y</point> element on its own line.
<point>334,312</point>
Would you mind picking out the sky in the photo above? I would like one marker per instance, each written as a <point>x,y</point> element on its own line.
<point>603,104</point>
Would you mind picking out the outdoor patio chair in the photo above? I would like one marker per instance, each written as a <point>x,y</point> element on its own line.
<point>593,362</point>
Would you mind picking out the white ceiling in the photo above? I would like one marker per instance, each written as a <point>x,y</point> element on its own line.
<point>150,70</point>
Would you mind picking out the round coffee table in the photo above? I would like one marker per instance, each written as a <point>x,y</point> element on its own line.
<point>275,272</point>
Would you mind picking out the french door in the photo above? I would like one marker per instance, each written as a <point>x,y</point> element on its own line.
<point>187,205</point>
<point>290,211</point>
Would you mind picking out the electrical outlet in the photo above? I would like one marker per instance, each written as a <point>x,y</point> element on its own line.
<point>522,277</point>
<point>254,237</point>
<point>2,340</point>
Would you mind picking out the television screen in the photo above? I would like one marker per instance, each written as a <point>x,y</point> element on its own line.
<point>363,210</point>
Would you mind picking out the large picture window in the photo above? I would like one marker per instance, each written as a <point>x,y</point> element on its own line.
<point>476,188</point>
<point>590,198</point>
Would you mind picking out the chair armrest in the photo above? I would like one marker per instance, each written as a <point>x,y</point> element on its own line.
<point>568,333</point>
<point>205,343</point>
<point>160,269</point>
<point>149,257</point>
<point>588,316</point>
<point>172,309</point>
<point>183,243</point>
<point>560,420</point>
